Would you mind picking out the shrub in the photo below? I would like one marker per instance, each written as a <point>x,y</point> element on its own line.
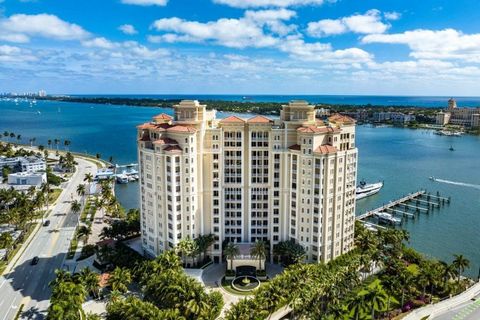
<point>87,251</point>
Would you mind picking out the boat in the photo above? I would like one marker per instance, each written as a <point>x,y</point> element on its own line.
<point>388,218</point>
<point>365,190</point>
<point>122,178</point>
<point>451,148</point>
<point>432,178</point>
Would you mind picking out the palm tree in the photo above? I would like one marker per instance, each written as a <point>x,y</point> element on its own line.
<point>357,306</point>
<point>90,280</point>
<point>75,207</point>
<point>98,156</point>
<point>375,297</point>
<point>6,242</point>
<point>120,279</point>
<point>204,242</point>
<point>60,276</point>
<point>230,252</point>
<point>19,137</point>
<point>259,252</point>
<point>49,142</point>
<point>89,179</point>
<point>66,143</point>
<point>81,191</point>
<point>45,189</point>
<point>56,142</point>
<point>461,263</point>
<point>186,247</point>
<point>83,232</point>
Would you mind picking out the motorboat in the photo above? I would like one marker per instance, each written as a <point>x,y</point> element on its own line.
<point>387,218</point>
<point>365,190</point>
<point>122,178</point>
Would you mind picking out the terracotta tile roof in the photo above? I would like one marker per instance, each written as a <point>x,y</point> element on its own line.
<point>314,129</point>
<point>163,116</point>
<point>340,118</point>
<point>259,119</point>
<point>173,148</point>
<point>294,147</point>
<point>147,125</point>
<point>325,149</point>
<point>179,128</point>
<point>232,119</point>
<point>165,141</point>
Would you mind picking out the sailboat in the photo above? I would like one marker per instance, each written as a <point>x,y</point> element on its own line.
<point>451,148</point>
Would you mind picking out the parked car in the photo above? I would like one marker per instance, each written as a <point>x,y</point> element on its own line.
<point>35,260</point>
<point>46,223</point>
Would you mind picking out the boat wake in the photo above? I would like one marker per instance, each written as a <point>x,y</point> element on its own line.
<point>470,185</point>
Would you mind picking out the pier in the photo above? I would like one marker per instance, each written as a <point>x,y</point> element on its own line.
<point>120,173</point>
<point>407,207</point>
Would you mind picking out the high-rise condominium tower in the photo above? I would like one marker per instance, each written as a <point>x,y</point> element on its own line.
<point>244,180</point>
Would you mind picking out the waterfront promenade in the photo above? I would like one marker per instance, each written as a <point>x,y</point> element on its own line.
<point>448,309</point>
<point>25,284</point>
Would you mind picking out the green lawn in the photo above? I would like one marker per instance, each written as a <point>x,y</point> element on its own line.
<point>53,195</point>
<point>11,255</point>
<point>73,246</point>
<point>228,287</point>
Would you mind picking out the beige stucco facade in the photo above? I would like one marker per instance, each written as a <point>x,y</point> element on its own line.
<point>467,117</point>
<point>248,179</point>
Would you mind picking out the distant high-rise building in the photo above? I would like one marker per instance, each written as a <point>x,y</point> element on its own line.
<point>467,117</point>
<point>42,93</point>
<point>244,180</point>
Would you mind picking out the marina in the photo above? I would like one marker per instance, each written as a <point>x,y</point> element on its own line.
<point>406,207</point>
<point>121,173</point>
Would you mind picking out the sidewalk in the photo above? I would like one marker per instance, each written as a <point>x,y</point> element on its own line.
<point>444,306</point>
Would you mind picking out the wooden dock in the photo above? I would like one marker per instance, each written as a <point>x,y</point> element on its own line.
<point>408,206</point>
<point>391,204</point>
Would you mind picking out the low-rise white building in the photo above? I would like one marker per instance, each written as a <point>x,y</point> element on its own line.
<point>27,178</point>
<point>24,164</point>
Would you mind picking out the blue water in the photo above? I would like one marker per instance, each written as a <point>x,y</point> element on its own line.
<point>430,102</point>
<point>402,158</point>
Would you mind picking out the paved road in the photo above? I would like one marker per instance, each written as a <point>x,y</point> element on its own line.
<point>27,284</point>
<point>469,310</point>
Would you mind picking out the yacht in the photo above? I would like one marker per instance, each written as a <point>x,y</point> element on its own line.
<point>388,218</point>
<point>364,190</point>
<point>122,178</point>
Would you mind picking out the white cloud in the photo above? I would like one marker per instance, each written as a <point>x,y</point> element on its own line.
<point>15,54</point>
<point>99,42</point>
<point>270,15</point>
<point>21,27</point>
<point>255,29</point>
<point>326,27</point>
<point>370,22</point>
<point>146,2</point>
<point>270,3</point>
<point>392,15</point>
<point>323,52</point>
<point>128,29</point>
<point>434,44</point>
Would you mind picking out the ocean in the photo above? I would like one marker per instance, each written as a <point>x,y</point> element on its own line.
<point>403,158</point>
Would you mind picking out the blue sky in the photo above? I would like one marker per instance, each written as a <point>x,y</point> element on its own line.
<point>241,46</point>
